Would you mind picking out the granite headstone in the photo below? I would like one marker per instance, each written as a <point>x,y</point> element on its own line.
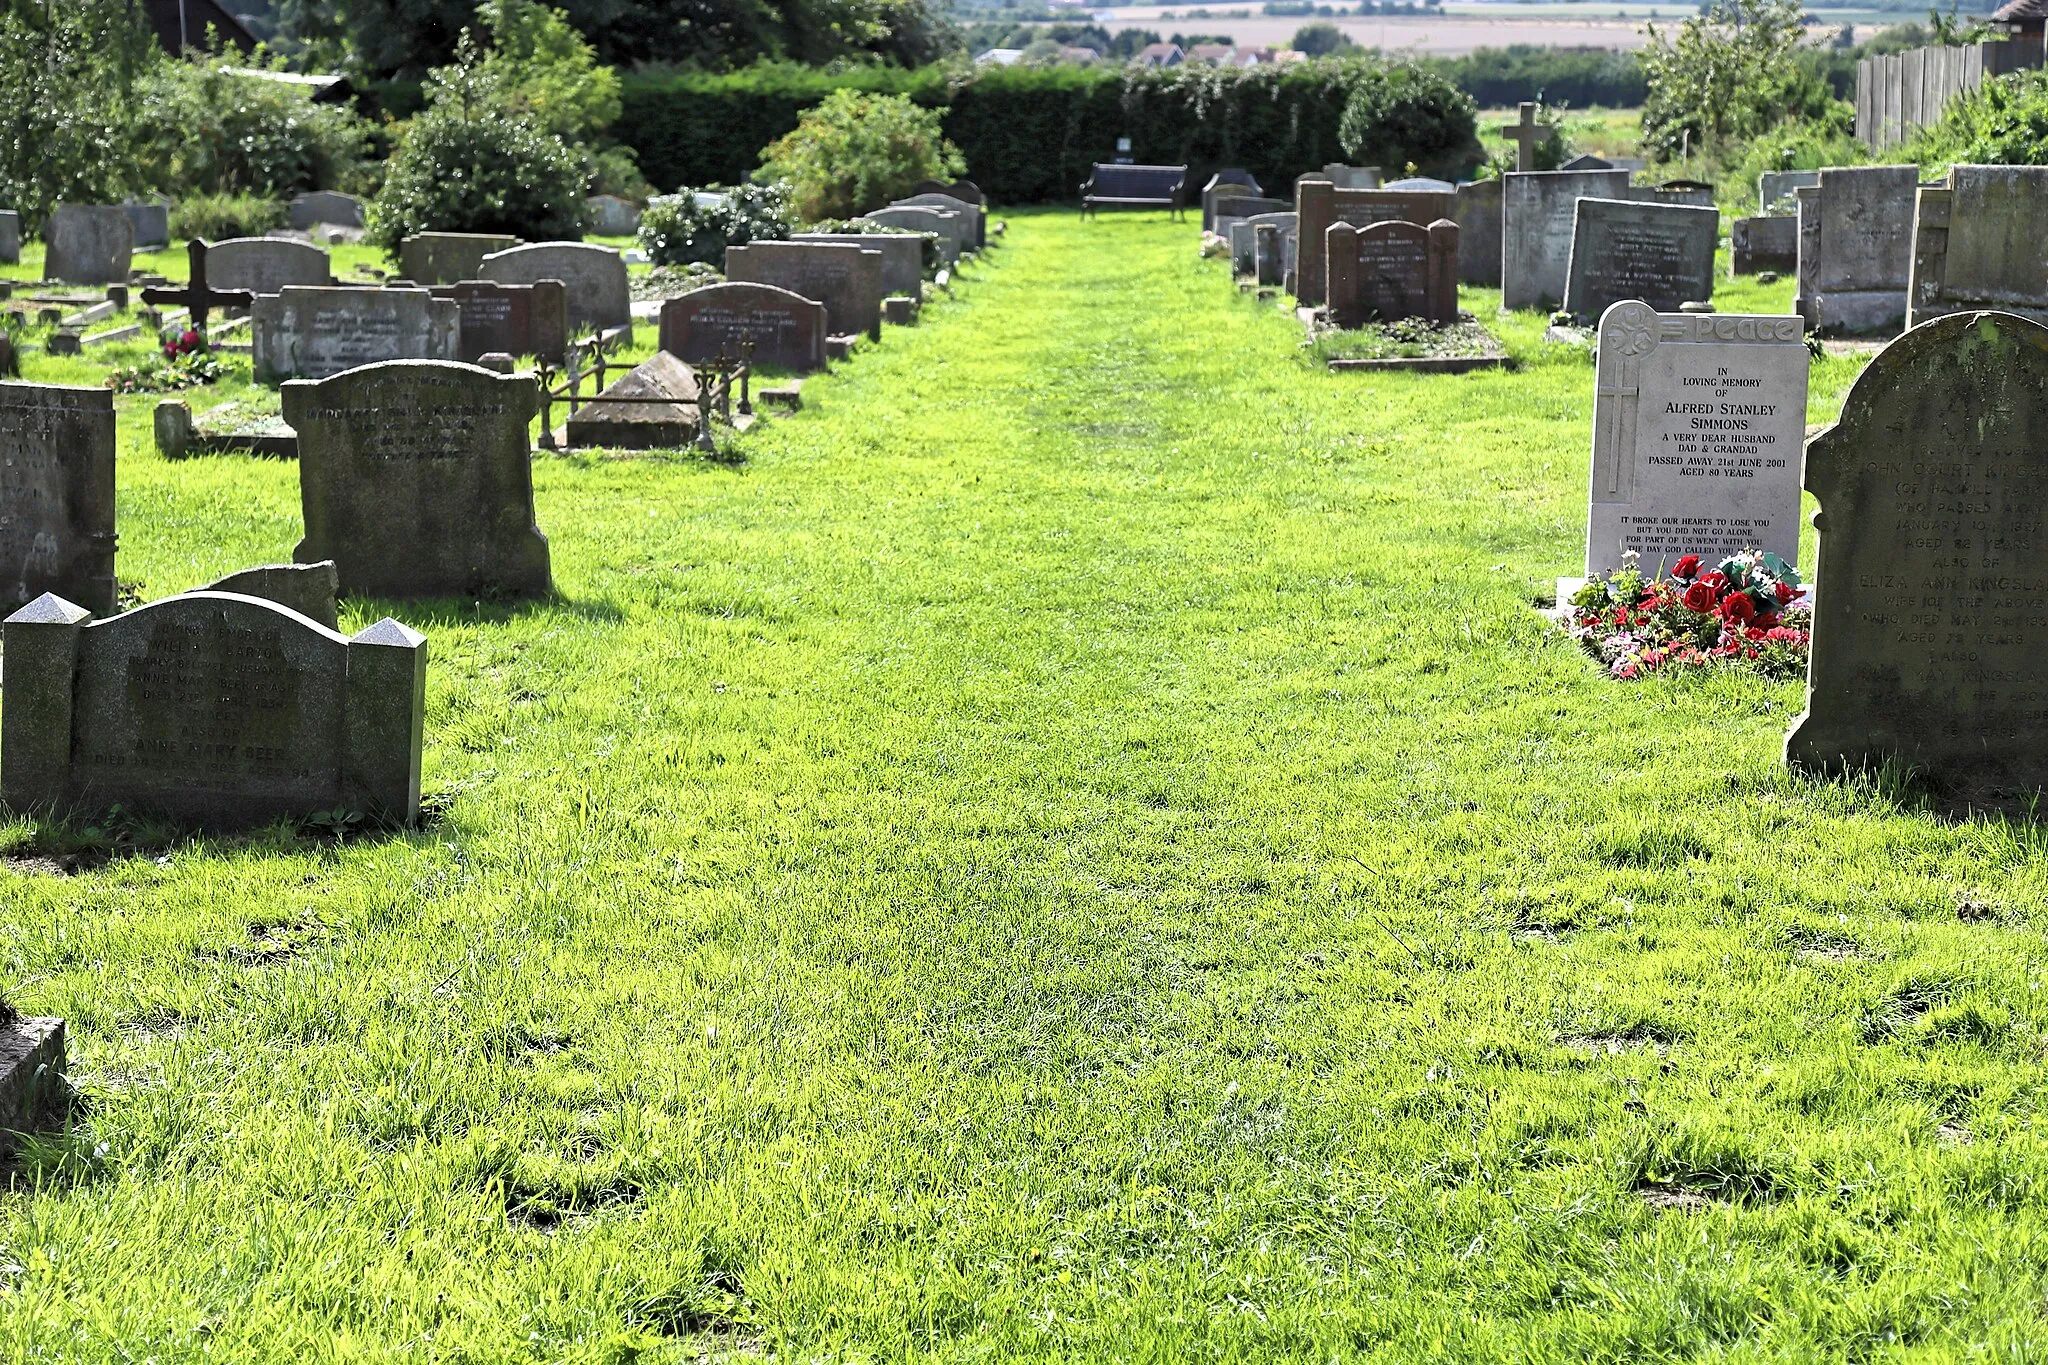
<point>787,330</point>
<point>1980,240</point>
<point>88,244</point>
<point>599,295</point>
<point>1390,271</point>
<point>1856,248</point>
<point>1759,244</point>
<point>313,333</point>
<point>325,206</point>
<point>56,494</point>
<point>10,237</point>
<point>846,279</point>
<point>1477,213</point>
<point>448,257</point>
<point>1662,254</point>
<point>1319,203</point>
<point>950,227</point>
<point>512,319</point>
<point>1539,210</point>
<point>902,256</point>
<point>152,223</point>
<point>264,265</point>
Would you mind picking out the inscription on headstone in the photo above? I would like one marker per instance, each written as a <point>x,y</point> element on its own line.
<point>787,331</point>
<point>846,279</point>
<point>264,265</point>
<point>512,319</point>
<point>595,277</point>
<point>1933,565</point>
<point>1697,420</point>
<point>1662,254</point>
<point>415,479</point>
<point>313,333</point>
<point>56,494</point>
<point>1856,248</point>
<point>1539,211</point>
<point>1390,271</point>
<point>1319,203</point>
<point>902,255</point>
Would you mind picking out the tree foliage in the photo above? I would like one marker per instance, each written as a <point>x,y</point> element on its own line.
<point>1320,39</point>
<point>206,130</point>
<point>1730,74</point>
<point>546,70</point>
<point>68,71</point>
<point>857,151</point>
<point>2004,121</point>
<point>1400,114</point>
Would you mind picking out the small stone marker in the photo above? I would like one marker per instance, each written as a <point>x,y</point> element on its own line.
<point>56,494</point>
<point>32,1082</point>
<point>1319,203</point>
<point>787,330</point>
<point>1933,557</point>
<point>314,333</point>
<point>66,342</point>
<point>448,257</point>
<point>264,265</point>
<point>326,206</point>
<point>1539,212</point>
<point>516,319</point>
<point>1856,248</point>
<point>1978,242</point>
<point>1662,254</point>
<point>902,256</point>
<point>1389,271</point>
<point>415,479</point>
<point>846,279</point>
<point>641,425</point>
<point>595,276</point>
<point>1526,133</point>
<point>88,244</point>
<point>210,707</point>
<point>1697,420</point>
<point>899,310</point>
<point>611,216</point>
<point>1244,239</point>
<point>10,237</point>
<point>1477,214</point>
<point>1759,244</point>
<point>308,589</point>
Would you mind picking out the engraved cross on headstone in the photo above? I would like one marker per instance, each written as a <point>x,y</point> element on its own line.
<point>196,296</point>
<point>1526,133</point>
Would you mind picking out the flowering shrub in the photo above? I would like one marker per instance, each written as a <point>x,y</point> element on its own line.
<point>1750,610</point>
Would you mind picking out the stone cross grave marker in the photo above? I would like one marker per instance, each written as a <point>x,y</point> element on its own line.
<point>846,279</point>
<point>314,333</point>
<point>198,297</point>
<point>1697,420</point>
<point>1386,272</point>
<point>1978,242</point>
<point>415,479</point>
<point>1539,212</point>
<point>1856,248</point>
<point>56,494</point>
<point>210,707</point>
<point>510,319</point>
<point>1526,132</point>
<point>786,329</point>
<point>1662,254</point>
<point>88,244</point>
<point>1933,559</point>
<point>595,276</point>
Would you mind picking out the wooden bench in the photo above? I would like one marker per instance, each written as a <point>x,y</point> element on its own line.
<point>1148,187</point>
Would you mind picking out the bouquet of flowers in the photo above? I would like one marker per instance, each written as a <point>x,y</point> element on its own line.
<point>1750,610</point>
<point>187,363</point>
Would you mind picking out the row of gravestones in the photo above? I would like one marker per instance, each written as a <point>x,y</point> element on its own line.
<point>96,243</point>
<point>1933,533</point>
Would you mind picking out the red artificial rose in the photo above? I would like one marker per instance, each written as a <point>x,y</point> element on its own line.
<point>1700,597</point>
<point>1686,567</point>
<point>1767,620</point>
<point>1715,580</point>
<point>1786,592</point>
<point>1737,608</point>
<point>1754,633</point>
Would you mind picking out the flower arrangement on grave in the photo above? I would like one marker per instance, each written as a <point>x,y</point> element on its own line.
<point>1750,610</point>
<point>187,363</point>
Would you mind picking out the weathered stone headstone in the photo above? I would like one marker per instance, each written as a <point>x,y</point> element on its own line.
<point>1386,272</point>
<point>846,279</point>
<point>1774,189</point>
<point>1319,203</point>
<point>516,319</point>
<point>1477,213</point>
<point>616,425</point>
<point>1697,420</point>
<point>1981,241</point>
<point>325,206</point>
<point>264,265</point>
<point>786,329</point>
<point>599,295</point>
<point>88,244</point>
<point>1586,161</point>
<point>56,494</point>
<point>33,1087</point>
<point>1539,210</point>
<point>448,257</point>
<point>314,333</point>
<point>152,224</point>
<point>1933,555</point>
<point>902,255</point>
<point>1228,181</point>
<point>971,210</point>
<point>1759,244</point>
<point>951,228</point>
<point>1662,254</point>
<point>10,237</point>
<point>415,479</point>
<point>611,216</point>
<point>1231,209</point>
<point>1352,177</point>
<point>210,707</point>
<point>308,589</point>
<point>1856,248</point>
<point>1244,258</point>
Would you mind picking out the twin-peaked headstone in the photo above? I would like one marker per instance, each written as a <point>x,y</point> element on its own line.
<point>599,295</point>
<point>1980,240</point>
<point>56,494</point>
<point>1319,203</point>
<point>1662,254</point>
<point>415,479</point>
<point>1697,420</point>
<point>775,327</point>
<point>209,707</point>
<point>1933,564</point>
<point>846,279</point>
<point>1387,272</point>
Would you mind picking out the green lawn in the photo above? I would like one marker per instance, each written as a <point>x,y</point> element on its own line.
<point>1078,849</point>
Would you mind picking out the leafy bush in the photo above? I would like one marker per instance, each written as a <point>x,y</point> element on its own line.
<point>1732,73</point>
<point>2004,121</point>
<point>217,217</point>
<point>1498,78</point>
<point>209,131</point>
<point>677,229</point>
<point>67,77</point>
<point>1400,114</point>
<point>471,162</point>
<point>546,70</point>
<point>856,152</point>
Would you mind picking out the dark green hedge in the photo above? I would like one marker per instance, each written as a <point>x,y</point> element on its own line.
<point>1500,78</point>
<point>1029,134</point>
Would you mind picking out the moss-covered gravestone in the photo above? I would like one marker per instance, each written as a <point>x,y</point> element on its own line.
<point>1932,582</point>
<point>31,1072</point>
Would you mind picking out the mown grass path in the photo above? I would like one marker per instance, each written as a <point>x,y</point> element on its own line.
<point>1078,850</point>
